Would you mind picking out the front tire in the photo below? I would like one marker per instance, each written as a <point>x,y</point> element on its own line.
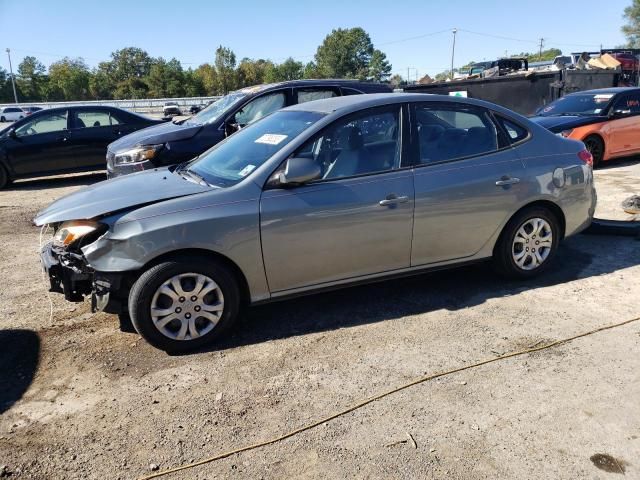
<point>184,304</point>
<point>528,244</point>
<point>4,177</point>
<point>595,145</point>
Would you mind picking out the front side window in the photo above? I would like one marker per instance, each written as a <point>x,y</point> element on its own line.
<point>629,104</point>
<point>360,145</point>
<point>449,132</point>
<point>51,122</point>
<point>260,107</point>
<point>310,94</point>
<point>88,119</point>
<point>239,155</point>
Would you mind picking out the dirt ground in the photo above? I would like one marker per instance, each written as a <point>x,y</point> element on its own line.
<point>80,399</point>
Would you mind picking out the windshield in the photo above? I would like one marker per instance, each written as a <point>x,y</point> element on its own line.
<point>216,109</point>
<point>581,104</point>
<point>232,160</point>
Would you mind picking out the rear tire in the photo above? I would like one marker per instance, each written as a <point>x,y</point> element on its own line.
<point>595,145</point>
<point>194,301</point>
<point>527,244</point>
<point>3,119</point>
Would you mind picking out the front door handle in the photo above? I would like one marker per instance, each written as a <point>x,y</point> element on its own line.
<point>393,200</point>
<point>507,181</point>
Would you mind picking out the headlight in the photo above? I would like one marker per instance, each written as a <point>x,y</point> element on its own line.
<point>69,232</point>
<point>137,155</point>
<point>565,133</point>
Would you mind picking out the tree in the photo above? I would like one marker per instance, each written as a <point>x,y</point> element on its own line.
<point>348,53</point>
<point>397,81</point>
<point>379,67</point>
<point>631,29</point>
<point>165,79</point>
<point>6,91</point>
<point>310,71</point>
<point>225,64</point>
<point>69,79</point>
<point>127,72</point>
<point>206,75</point>
<point>101,85</point>
<point>193,85</point>
<point>31,79</point>
<point>252,72</point>
<point>288,70</point>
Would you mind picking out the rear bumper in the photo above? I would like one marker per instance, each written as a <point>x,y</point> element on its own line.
<point>70,275</point>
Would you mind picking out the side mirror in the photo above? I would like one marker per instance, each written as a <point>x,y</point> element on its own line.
<point>298,170</point>
<point>12,133</point>
<point>619,113</point>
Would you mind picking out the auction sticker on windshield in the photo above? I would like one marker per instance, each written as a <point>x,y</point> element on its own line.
<point>271,138</point>
<point>246,170</point>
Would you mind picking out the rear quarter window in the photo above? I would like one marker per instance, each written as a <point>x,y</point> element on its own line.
<point>515,132</point>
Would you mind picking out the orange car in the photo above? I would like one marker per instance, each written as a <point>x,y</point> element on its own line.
<point>607,120</point>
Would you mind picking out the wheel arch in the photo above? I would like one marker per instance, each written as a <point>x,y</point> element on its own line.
<point>600,135</point>
<point>547,204</point>
<point>243,284</point>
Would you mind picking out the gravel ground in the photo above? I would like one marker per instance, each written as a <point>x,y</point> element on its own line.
<point>80,399</point>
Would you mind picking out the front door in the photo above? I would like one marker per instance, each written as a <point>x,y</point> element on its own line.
<point>355,220</point>
<point>623,130</point>
<point>465,184</point>
<point>42,145</point>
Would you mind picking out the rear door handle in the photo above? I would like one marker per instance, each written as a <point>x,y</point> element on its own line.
<point>393,200</point>
<point>507,181</point>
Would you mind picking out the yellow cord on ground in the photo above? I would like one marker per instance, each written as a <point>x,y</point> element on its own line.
<point>378,397</point>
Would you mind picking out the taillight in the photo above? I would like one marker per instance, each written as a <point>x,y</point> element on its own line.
<point>586,157</point>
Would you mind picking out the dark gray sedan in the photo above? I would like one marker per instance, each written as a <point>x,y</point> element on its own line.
<point>317,196</point>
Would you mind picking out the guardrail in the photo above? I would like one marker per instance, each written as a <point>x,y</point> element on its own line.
<point>147,105</point>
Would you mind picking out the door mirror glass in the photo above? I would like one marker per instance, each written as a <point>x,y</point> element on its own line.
<point>618,113</point>
<point>297,171</point>
<point>12,133</point>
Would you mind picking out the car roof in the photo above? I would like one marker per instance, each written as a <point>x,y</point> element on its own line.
<point>349,103</point>
<point>612,90</point>
<point>324,82</point>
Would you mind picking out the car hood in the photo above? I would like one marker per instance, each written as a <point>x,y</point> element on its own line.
<point>118,194</point>
<point>559,123</point>
<point>157,134</point>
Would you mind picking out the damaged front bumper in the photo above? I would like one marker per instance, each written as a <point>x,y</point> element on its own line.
<point>70,275</point>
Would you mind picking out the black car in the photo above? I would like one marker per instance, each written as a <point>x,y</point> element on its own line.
<point>182,140</point>
<point>195,109</point>
<point>63,140</point>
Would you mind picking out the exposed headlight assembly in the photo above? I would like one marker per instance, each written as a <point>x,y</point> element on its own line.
<point>137,155</point>
<point>74,230</point>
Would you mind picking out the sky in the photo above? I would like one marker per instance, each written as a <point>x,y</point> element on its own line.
<point>415,35</point>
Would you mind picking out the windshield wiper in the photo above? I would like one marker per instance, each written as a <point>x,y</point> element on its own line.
<point>196,176</point>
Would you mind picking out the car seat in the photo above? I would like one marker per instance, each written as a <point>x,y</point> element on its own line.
<point>347,163</point>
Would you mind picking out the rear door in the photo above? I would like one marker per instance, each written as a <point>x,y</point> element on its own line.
<point>92,130</point>
<point>42,145</point>
<point>466,180</point>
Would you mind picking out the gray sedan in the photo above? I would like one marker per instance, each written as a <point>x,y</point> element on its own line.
<point>316,196</point>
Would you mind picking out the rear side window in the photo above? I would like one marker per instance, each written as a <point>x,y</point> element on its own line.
<point>449,132</point>
<point>628,104</point>
<point>90,119</point>
<point>310,94</point>
<point>350,91</point>
<point>515,132</point>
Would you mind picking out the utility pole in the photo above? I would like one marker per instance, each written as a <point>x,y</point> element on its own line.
<point>540,54</point>
<point>453,49</point>
<point>13,81</point>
